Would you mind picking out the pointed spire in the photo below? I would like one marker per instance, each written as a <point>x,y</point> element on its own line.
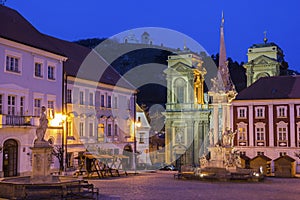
<point>223,64</point>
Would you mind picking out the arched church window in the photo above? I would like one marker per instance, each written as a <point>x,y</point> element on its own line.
<point>180,86</point>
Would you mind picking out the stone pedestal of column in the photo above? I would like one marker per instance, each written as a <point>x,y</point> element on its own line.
<point>41,161</point>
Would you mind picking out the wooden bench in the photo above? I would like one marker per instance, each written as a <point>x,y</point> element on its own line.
<point>81,191</point>
<point>44,192</point>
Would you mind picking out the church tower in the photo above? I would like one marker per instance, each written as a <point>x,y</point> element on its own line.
<point>187,114</point>
<point>264,60</point>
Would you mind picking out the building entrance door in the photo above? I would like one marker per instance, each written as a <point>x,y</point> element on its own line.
<point>10,158</point>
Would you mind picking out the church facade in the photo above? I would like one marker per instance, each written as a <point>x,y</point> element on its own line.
<point>187,115</point>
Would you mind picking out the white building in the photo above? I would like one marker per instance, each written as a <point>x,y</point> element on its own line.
<point>31,77</point>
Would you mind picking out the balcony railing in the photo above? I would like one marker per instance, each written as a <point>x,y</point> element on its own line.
<point>14,120</point>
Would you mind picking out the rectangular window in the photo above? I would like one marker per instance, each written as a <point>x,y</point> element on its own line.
<point>109,130</point>
<point>38,70</point>
<point>241,113</point>
<point>109,101</point>
<point>37,107</point>
<point>11,105</point>
<point>116,102</point>
<point>91,99</point>
<point>281,111</point>
<point>50,109</point>
<point>69,129</point>
<point>81,98</point>
<point>80,129</point>
<point>102,101</point>
<point>69,96</point>
<point>282,134</point>
<point>260,153</point>
<point>128,103</point>
<point>12,64</point>
<point>91,130</point>
<point>116,130</point>
<point>242,133</point>
<point>142,138</point>
<point>298,111</point>
<point>22,99</point>
<point>259,112</point>
<point>100,132</point>
<point>1,104</point>
<point>51,72</point>
<point>260,134</point>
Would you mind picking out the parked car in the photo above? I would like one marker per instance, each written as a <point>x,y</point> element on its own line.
<point>169,168</point>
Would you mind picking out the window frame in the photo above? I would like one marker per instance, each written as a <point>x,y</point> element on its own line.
<point>281,111</point>
<point>51,72</point>
<point>260,112</point>
<point>242,112</point>
<point>40,75</point>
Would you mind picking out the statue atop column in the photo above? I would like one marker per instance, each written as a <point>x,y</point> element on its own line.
<point>41,129</point>
<point>228,138</point>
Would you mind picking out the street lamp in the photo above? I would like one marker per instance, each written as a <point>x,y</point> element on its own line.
<point>136,124</point>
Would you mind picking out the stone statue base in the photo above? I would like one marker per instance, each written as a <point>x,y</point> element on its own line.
<point>222,157</point>
<point>41,161</point>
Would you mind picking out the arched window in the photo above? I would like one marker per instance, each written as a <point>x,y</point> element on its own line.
<point>180,89</point>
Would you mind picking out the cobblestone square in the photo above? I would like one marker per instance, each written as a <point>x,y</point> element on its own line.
<point>162,185</point>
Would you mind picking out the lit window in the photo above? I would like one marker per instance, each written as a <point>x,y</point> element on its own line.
<point>12,64</point>
<point>100,132</point>
<point>11,103</point>
<point>69,129</point>
<point>259,112</point>
<point>281,111</point>
<point>51,72</point>
<point>38,70</point>
<point>50,110</point>
<point>242,112</point>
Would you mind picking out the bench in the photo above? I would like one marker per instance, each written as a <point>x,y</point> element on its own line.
<point>81,191</point>
<point>44,192</point>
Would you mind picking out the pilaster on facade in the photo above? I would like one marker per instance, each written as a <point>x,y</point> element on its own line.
<point>251,126</point>
<point>271,125</point>
<point>292,125</point>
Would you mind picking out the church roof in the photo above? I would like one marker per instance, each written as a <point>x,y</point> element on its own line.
<point>261,45</point>
<point>277,87</point>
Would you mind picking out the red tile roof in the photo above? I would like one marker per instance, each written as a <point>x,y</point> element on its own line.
<point>278,87</point>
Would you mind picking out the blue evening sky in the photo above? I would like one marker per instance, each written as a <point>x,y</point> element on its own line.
<point>245,21</point>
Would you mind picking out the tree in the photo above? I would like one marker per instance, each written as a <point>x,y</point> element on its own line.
<point>58,152</point>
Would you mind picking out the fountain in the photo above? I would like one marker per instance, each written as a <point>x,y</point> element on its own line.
<point>15,187</point>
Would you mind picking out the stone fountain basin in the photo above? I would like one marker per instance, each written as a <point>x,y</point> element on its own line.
<point>14,188</point>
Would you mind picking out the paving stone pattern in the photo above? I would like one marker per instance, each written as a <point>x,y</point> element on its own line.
<point>162,185</point>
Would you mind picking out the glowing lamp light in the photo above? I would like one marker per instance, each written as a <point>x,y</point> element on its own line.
<point>57,120</point>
